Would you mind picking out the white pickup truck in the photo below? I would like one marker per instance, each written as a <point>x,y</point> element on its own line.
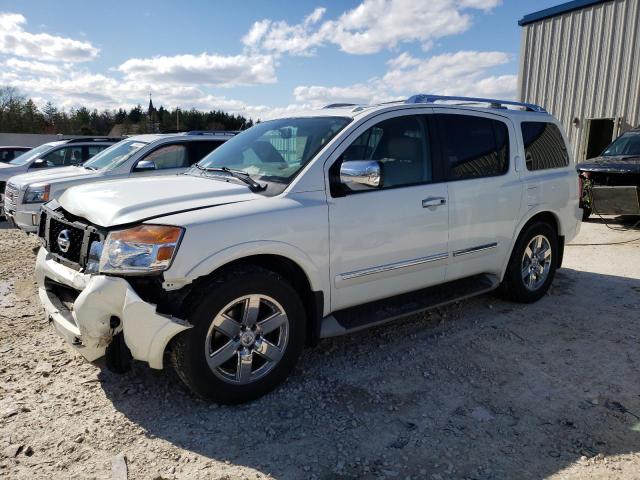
<point>141,155</point>
<point>307,227</point>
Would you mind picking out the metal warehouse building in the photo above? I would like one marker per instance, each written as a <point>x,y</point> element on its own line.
<point>581,61</point>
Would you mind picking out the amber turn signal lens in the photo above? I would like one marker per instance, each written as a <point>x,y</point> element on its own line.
<point>149,234</point>
<point>165,253</point>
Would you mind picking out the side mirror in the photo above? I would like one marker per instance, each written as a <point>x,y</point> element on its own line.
<point>145,166</point>
<point>39,163</point>
<point>361,174</point>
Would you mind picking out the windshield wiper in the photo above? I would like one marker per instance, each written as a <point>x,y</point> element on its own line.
<point>237,174</point>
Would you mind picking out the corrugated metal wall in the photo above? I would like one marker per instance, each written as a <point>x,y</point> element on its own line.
<point>584,64</point>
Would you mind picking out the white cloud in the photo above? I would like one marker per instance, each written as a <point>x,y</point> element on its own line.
<point>82,88</point>
<point>359,93</point>
<point>203,69</point>
<point>32,66</point>
<point>480,4</point>
<point>315,16</point>
<point>372,26</point>
<point>404,60</point>
<point>14,40</point>
<point>280,37</point>
<point>450,73</point>
<point>461,73</point>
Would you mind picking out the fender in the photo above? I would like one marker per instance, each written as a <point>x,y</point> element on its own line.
<point>518,230</point>
<point>317,280</point>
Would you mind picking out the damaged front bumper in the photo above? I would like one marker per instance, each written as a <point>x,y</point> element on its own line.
<point>88,310</point>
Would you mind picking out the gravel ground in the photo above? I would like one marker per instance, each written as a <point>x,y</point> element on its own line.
<point>484,389</point>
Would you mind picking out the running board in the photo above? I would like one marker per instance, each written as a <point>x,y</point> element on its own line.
<point>379,312</point>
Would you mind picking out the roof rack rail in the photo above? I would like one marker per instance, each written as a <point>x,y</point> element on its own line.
<point>340,105</point>
<point>493,103</point>
<point>230,133</point>
<point>93,139</point>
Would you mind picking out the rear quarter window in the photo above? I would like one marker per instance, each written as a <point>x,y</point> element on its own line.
<point>544,147</point>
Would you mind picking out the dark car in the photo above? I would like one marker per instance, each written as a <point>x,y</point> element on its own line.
<point>8,153</point>
<point>611,182</point>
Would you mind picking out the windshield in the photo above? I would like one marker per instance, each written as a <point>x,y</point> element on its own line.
<point>31,155</point>
<point>115,155</point>
<point>275,150</point>
<point>627,144</point>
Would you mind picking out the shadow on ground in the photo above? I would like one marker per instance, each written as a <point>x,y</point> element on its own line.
<point>625,221</point>
<point>484,389</point>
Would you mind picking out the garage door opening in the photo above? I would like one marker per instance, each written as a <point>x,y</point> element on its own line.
<point>600,132</point>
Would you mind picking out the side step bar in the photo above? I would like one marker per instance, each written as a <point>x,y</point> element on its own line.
<point>379,312</point>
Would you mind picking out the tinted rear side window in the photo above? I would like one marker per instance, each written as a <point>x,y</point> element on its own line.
<point>474,146</point>
<point>199,150</point>
<point>543,146</point>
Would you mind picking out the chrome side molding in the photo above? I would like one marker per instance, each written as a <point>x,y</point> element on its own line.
<point>391,266</point>
<point>480,248</point>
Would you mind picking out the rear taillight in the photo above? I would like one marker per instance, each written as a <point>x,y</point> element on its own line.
<point>580,186</point>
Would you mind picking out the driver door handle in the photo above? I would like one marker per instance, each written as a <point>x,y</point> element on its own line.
<point>433,202</point>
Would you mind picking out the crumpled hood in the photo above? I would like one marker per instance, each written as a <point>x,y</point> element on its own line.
<point>7,171</point>
<point>51,175</point>
<point>119,202</point>
<point>613,164</point>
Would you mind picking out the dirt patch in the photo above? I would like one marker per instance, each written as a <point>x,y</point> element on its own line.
<point>484,389</point>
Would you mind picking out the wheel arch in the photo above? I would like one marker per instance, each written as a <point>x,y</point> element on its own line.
<point>311,294</point>
<point>545,216</point>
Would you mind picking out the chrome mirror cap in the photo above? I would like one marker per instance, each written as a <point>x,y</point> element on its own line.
<point>356,174</point>
<point>145,165</point>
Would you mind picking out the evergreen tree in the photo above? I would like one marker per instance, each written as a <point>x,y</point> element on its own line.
<point>135,114</point>
<point>21,115</point>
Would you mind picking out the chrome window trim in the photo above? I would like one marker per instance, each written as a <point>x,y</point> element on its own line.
<point>392,266</point>
<point>479,248</point>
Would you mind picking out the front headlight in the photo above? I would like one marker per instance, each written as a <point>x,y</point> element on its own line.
<point>142,249</point>
<point>38,193</point>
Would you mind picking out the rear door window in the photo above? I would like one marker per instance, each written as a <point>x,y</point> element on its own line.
<point>473,147</point>
<point>544,146</point>
<point>7,155</point>
<point>199,150</point>
<point>93,150</point>
<point>64,156</point>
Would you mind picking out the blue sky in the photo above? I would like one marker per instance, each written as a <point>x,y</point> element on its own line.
<point>258,58</point>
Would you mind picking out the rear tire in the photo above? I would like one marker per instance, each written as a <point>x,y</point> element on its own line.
<point>532,265</point>
<point>248,332</point>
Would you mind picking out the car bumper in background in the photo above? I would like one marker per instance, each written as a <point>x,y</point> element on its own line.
<point>24,220</point>
<point>616,200</point>
<point>83,309</point>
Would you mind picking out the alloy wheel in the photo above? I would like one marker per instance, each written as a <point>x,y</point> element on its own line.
<point>536,262</point>
<point>247,339</point>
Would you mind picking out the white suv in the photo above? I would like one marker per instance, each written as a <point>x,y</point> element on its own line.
<point>308,227</point>
<point>51,155</point>
<point>141,155</point>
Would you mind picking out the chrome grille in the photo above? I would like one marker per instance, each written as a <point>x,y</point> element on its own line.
<point>78,236</point>
<point>11,193</point>
<point>74,236</point>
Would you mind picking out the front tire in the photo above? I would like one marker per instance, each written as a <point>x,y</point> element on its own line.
<point>532,265</point>
<point>586,213</point>
<point>248,332</point>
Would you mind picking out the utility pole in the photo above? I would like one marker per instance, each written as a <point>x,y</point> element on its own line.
<point>177,119</point>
